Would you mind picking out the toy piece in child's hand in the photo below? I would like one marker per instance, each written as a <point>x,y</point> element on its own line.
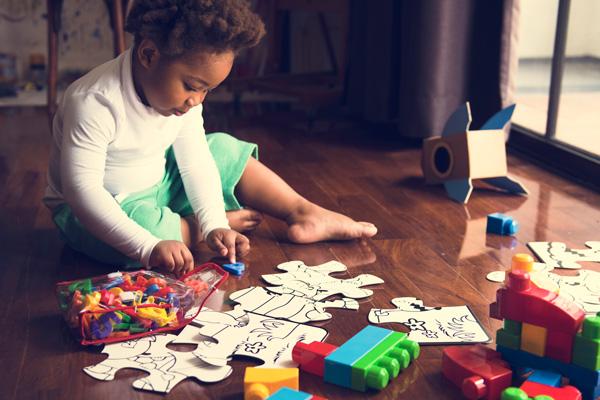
<point>237,268</point>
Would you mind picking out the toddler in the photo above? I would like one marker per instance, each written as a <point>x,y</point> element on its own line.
<point>133,179</point>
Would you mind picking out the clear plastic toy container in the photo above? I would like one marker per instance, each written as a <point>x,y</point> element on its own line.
<point>127,305</point>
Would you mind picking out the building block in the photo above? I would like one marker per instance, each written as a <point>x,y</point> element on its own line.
<point>586,347</point>
<point>579,377</point>
<point>311,356</point>
<point>533,339</point>
<point>559,345</point>
<point>286,393</point>
<point>534,389</point>
<point>338,364</point>
<point>237,268</point>
<point>479,371</point>
<point>509,335</point>
<point>501,224</point>
<point>521,300</point>
<point>259,383</point>
<point>384,362</point>
<point>523,262</point>
<point>513,327</point>
<point>368,360</point>
<point>549,378</point>
<point>507,339</point>
<point>513,393</point>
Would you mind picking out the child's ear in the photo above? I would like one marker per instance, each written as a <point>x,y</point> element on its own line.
<point>148,53</point>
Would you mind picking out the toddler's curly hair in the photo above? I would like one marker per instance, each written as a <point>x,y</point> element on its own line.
<point>179,26</point>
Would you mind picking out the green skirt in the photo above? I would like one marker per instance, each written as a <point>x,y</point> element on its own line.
<point>159,208</point>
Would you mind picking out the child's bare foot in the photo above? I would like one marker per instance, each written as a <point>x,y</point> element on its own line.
<point>244,220</point>
<point>311,223</point>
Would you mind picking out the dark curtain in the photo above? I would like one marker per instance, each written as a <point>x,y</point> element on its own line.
<point>412,62</point>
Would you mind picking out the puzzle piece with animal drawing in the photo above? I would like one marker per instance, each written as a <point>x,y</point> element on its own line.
<point>166,367</point>
<point>316,284</point>
<point>287,306</point>
<point>432,325</point>
<point>557,255</point>
<point>221,335</point>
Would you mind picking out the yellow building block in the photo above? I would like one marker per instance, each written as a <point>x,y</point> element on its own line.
<point>533,339</point>
<point>260,383</point>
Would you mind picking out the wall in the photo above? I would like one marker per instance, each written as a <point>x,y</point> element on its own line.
<point>85,40</point>
<point>538,23</point>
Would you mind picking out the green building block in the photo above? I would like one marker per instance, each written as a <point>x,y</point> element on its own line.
<point>513,393</point>
<point>384,362</point>
<point>507,339</point>
<point>586,347</point>
<point>513,327</point>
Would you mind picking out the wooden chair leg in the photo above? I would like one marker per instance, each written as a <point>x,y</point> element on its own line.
<point>118,24</point>
<point>54,8</point>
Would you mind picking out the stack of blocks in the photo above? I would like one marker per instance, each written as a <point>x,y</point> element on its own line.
<point>370,359</point>
<point>541,331</point>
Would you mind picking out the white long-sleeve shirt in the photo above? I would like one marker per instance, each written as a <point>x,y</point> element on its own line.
<point>108,144</point>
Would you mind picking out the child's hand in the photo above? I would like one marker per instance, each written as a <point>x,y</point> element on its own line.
<point>228,243</point>
<point>172,256</point>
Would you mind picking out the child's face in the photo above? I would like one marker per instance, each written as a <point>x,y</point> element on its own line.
<point>173,86</point>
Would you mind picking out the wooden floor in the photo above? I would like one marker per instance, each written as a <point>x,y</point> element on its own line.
<point>427,247</point>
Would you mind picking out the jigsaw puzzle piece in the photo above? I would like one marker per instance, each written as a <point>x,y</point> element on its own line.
<point>286,306</point>
<point>428,325</point>
<point>559,256</point>
<point>316,284</point>
<point>263,338</point>
<point>165,367</point>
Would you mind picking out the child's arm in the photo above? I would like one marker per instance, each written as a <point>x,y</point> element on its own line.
<point>88,128</point>
<point>202,185</point>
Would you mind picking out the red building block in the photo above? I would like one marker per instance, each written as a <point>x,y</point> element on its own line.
<point>559,345</point>
<point>477,370</point>
<point>311,356</point>
<point>562,393</point>
<point>521,300</point>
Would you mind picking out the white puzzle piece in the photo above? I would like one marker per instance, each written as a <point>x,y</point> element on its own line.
<point>582,289</point>
<point>432,325</point>
<point>316,284</point>
<point>287,306</point>
<point>241,333</point>
<point>557,255</point>
<point>166,367</point>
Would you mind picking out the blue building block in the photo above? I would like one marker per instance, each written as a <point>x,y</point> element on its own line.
<point>586,380</point>
<point>548,378</point>
<point>338,364</point>
<point>286,393</point>
<point>501,224</point>
<point>237,268</point>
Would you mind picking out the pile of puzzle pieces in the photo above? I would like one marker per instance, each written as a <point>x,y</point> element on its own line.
<point>266,325</point>
<point>543,332</point>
